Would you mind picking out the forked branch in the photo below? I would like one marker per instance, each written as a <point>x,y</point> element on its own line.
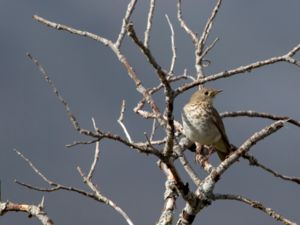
<point>243,69</point>
<point>32,210</point>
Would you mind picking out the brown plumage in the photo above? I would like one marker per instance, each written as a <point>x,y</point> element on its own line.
<point>203,124</point>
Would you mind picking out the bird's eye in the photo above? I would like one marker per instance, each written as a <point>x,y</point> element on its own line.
<point>206,93</point>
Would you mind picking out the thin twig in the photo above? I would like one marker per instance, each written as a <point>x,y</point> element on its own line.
<point>173,60</point>
<point>58,26</point>
<point>250,113</point>
<point>34,168</point>
<point>184,25</point>
<point>94,163</point>
<point>55,186</point>
<point>125,21</point>
<point>120,121</point>
<point>206,51</point>
<point>199,51</point>
<point>140,147</point>
<point>58,187</point>
<point>207,28</point>
<point>103,198</point>
<point>254,162</point>
<point>256,205</point>
<point>153,129</point>
<point>149,23</point>
<point>71,116</point>
<point>81,143</point>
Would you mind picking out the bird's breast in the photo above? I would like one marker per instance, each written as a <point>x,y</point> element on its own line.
<point>198,125</point>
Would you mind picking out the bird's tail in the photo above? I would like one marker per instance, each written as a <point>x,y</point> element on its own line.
<point>224,150</point>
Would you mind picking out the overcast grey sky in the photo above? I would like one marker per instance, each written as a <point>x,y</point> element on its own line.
<point>94,83</point>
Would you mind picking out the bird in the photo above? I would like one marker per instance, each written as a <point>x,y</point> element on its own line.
<point>203,124</point>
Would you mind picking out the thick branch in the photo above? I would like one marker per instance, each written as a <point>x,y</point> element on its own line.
<point>214,176</point>
<point>32,210</point>
<point>245,147</point>
<point>170,198</point>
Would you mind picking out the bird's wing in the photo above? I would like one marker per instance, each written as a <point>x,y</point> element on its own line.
<point>217,120</point>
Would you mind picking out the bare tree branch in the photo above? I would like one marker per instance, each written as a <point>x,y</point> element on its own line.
<point>154,127</point>
<point>146,51</point>
<point>254,162</point>
<point>173,60</point>
<point>139,87</point>
<point>96,195</point>
<point>98,134</point>
<point>251,113</point>
<point>57,26</point>
<point>206,51</point>
<point>55,186</point>
<point>33,167</point>
<point>32,210</point>
<point>256,205</point>
<point>81,143</point>
<point>239,70</point>
<point>170,198</point>
<point>120,121</point>
<point>199,52</point>
<point>184,25</point>
<point>178,149</point>
<point>125,21</point>
<point>214,176</point>
<point>202,41</point>
<point>195,201</point>
<point>153,90</point>
<point>245,147</point>
<point>149,23</point>
<point>169,94</point>
<point>94,163</point>
<point>55,90</point>
<point>104,199</point>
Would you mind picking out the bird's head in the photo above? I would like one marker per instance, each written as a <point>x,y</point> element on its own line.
<point>204,95</point>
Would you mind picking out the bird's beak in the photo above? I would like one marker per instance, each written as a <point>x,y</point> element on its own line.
<point>217,92</point>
